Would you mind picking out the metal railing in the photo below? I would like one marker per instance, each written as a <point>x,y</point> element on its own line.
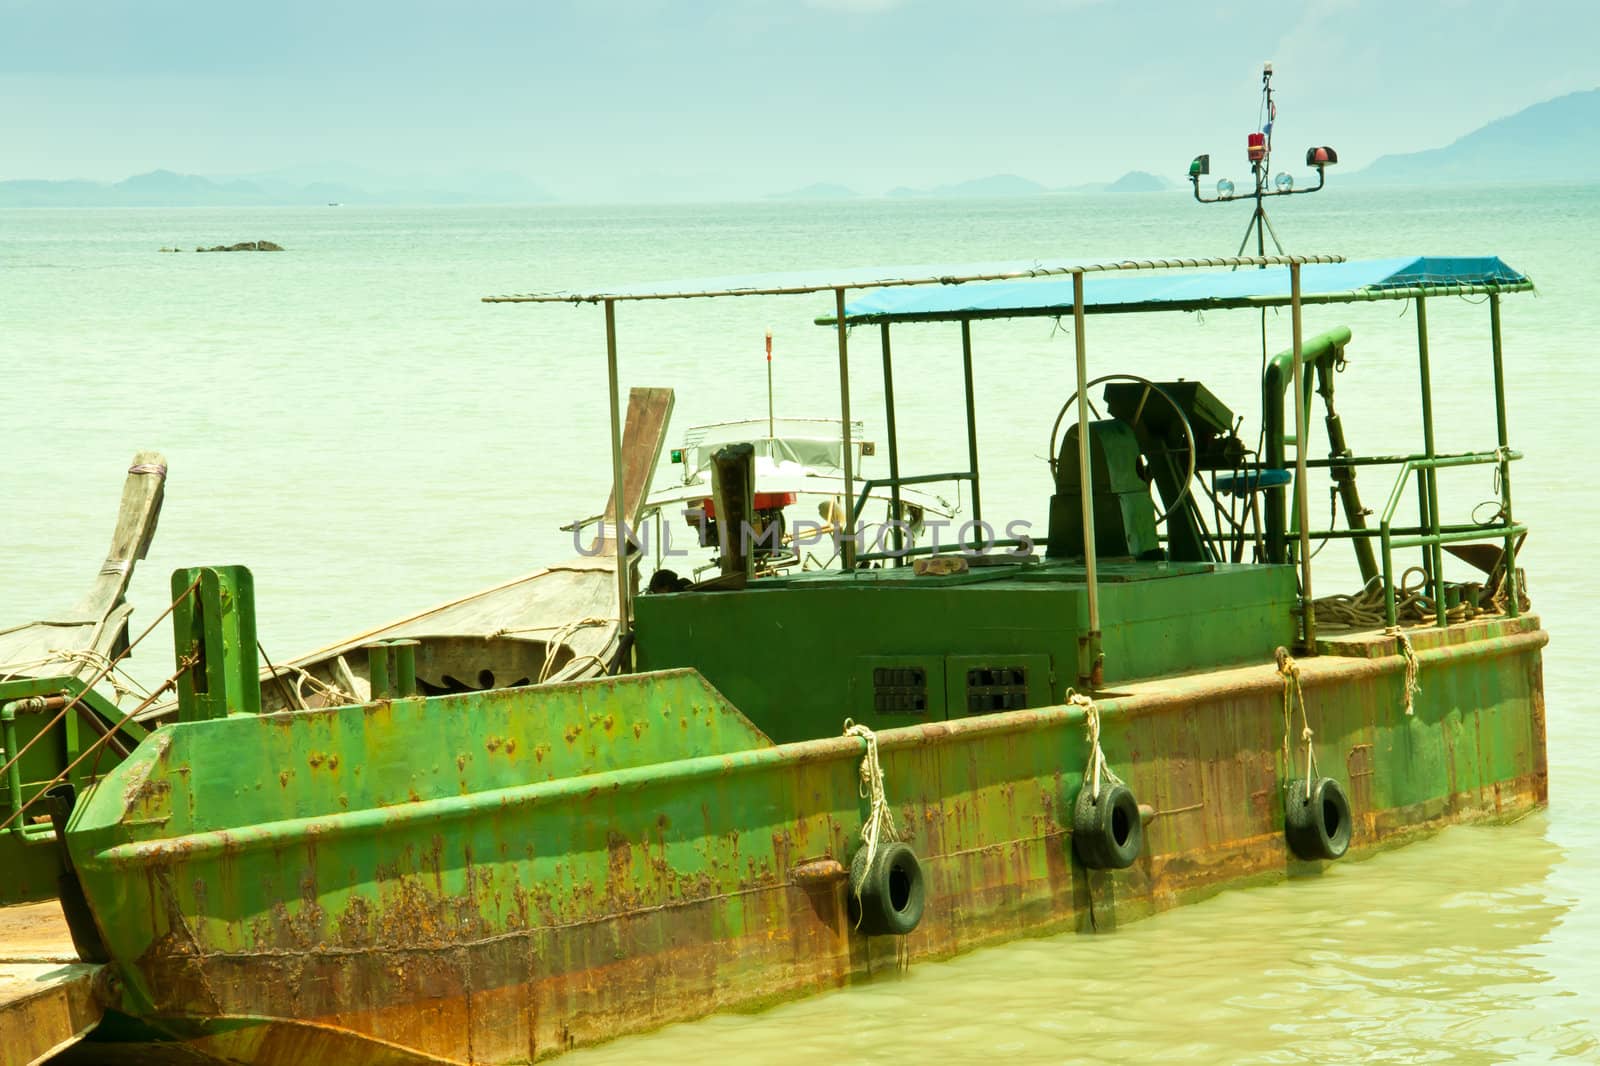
<point>895,483</point>
<point>1436,536</point>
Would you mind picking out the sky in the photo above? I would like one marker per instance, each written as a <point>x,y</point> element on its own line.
<point>605,99</point>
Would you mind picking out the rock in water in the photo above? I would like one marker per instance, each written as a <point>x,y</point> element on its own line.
<point>244,246</point>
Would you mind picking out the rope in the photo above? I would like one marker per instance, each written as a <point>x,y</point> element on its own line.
<point>185,664</point>
<point>80,660</point>
<point>1413,605</point>
<point>558,640</point>
<point>111,664</point>
<point>1412,668</point>
<point>1098,768</point>
<point>1292,693</point>
<point>879,825</point>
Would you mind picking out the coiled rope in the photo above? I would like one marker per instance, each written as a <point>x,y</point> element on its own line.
<point>1098,767</point>
<point>1289,670</point>
<point>879,826</point>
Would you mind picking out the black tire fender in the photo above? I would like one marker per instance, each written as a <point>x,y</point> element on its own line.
<point>1317,826</point>
<point>889,898</point>
<point>1107,833</point>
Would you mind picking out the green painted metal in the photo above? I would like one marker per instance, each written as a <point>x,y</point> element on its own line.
<point>505,874</point>
<point>1436,534</point>
<point>214,625</point>
<point>27,869</point>
<point>779,654</point>
<point>1320,352</point>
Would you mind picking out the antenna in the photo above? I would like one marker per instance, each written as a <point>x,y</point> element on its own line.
<point>1259,152</point>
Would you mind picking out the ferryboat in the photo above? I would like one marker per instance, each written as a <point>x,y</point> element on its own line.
<point>786,780</point>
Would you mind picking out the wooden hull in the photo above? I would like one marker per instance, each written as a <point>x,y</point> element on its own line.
<point>439,907</point>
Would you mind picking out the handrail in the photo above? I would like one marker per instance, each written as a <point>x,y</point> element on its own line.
<point>899,482</point>
<point>1435,535</point>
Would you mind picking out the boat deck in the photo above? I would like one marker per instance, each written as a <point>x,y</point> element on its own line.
<point>46,995</point>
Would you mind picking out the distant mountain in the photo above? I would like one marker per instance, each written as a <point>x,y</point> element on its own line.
<point>820,190</point>
<point>1558,140</point>
<point>1139,181</point>
<point>1132,181</point>
<point>165,188</point>
<point>996,185</point>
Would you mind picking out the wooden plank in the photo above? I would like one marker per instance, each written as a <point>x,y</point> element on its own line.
<point>99,621</point>
<point>142,495</point>
<point>643,436</point>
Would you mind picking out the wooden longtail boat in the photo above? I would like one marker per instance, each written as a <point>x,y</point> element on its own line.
<point>1069,732</point>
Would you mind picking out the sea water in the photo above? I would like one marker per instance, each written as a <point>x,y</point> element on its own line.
<point>346,418</point>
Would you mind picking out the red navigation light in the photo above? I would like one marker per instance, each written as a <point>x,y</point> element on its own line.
<point>1258,147</point>
<point>1321,157</point>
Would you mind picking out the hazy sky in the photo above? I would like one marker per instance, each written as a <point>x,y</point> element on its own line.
<point>747,96</point>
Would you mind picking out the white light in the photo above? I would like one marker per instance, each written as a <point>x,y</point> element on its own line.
<point>1284,182</point>
<point>1225,189</point>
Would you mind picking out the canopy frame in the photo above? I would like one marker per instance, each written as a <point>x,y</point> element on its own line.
<point>1089,672</point>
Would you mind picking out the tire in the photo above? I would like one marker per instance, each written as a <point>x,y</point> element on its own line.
<point>1107,834</point>
<point>888,899</point>
<point>1318,827</point>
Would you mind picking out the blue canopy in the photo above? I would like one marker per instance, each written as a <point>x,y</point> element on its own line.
<point>1371,279</point>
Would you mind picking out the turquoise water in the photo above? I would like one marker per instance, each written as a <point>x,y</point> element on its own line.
<point>347,418</point>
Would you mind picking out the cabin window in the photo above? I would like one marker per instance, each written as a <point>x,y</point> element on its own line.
<point>997,688</point>
<point>900,690</point>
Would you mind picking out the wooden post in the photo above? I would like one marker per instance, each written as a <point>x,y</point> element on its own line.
<point>620,543</point>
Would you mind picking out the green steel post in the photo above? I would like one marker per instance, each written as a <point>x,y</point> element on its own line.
<point>1513,607</point>
<point>214,638</point>
<point>1308,614</point>
<point>1431,476</point>
<point>619,506</point>
<point>379,672</point>
<point>972,428</point>
<point>1088,671</point>
<point>8,717</point>
<point>894,444</point>
<point>405,666</point>
<point>848,544</point>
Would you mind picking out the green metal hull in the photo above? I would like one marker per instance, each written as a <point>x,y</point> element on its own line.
<point>499,877</point>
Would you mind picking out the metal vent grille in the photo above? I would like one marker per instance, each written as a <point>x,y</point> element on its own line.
<point>997,688</point>
<point>900,690</point>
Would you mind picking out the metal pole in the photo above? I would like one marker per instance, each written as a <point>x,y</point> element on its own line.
<point>894,446</point>
<point>1302,491</point>
<point>848,546</point>
<point>619,500</point>
<point>1085,479</point>
<point>771,421</point>
<point>1513,607</point>
<point>972,430</point>
<point>1434,552</point>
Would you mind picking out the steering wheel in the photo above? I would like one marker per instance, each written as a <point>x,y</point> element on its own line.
<point>1150,386</point>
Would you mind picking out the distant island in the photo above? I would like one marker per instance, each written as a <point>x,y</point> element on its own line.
<point>994,186</point>
<point>165,188</point>
<point>820,190</point>
<point>1132,181</point>
<point>1557,140</point>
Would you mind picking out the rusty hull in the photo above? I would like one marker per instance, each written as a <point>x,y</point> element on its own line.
<point>499,877</point>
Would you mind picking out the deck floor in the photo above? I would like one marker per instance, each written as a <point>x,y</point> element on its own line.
<point>46,994</point>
